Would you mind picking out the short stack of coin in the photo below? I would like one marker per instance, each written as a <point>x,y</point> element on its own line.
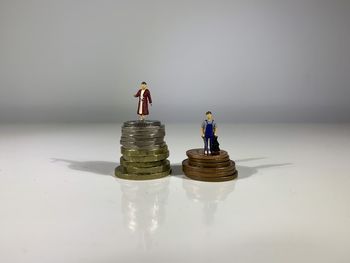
<point>210,168</point>
<point>144,151</point>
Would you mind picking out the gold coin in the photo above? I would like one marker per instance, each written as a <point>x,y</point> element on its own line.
<point>148,148</point>
<point>121,173</point>
<point>149,158</point>
<point>134,152</point>
<point>124,163</point>
<point>147,170</point>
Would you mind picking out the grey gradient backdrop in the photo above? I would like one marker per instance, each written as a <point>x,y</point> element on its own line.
<point>246,60</point>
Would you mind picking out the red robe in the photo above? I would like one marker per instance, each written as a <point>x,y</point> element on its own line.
<point>144,102</point>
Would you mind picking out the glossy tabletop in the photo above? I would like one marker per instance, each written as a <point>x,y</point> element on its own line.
<point>59,201</point>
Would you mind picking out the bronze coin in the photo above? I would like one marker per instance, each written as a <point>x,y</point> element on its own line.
<point>213,179</point>
<point>198,154</point>
<point>209,161</point>
<point>205,173</point>
<point>208,165</point>
<point>209,172</point>
<point>187,171</point>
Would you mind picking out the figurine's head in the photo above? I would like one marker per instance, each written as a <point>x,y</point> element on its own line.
<point>209,115</point>
<point>143,85</point>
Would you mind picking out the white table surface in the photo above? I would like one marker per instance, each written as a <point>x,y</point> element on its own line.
<point>60,203</point>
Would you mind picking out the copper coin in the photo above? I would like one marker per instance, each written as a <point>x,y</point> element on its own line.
<point>210,164</point>
<point>210,161</point>
<point>198,154</point>
<point>209,172</point>
<point>213,179</point>
<point>207,175</point>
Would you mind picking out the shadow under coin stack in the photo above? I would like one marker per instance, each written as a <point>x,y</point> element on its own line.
<point>210,168</point>
<point>144,151</point>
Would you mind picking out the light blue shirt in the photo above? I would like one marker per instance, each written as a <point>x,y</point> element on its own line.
<point>204,124</point>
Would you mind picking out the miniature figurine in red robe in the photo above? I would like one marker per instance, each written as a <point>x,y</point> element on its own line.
<point>144,98</point>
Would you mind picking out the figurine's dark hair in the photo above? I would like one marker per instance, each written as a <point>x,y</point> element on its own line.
<point>208,112</point>
<point>143,83</point>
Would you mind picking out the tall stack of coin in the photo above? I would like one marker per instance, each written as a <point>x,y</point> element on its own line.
<point>144,151</point>
<point>211,168</point>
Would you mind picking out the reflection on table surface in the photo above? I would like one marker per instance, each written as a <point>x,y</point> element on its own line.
<point>143,208</point>
<point>209,194</point>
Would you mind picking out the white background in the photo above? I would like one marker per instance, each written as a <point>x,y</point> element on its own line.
<point>246,61</point>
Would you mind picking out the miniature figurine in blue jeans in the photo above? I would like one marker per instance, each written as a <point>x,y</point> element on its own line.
<point>208,132</point>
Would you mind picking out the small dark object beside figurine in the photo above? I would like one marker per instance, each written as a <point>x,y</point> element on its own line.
<point>215,149</point>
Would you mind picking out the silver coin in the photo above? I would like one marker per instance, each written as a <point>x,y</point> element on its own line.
<point>143,129</point>
<point>140,144</point>
<point>142,141</point>
<point>141,123</point>
<point>143,133</point>
<point>141,137</point>
<point>143,126</point>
